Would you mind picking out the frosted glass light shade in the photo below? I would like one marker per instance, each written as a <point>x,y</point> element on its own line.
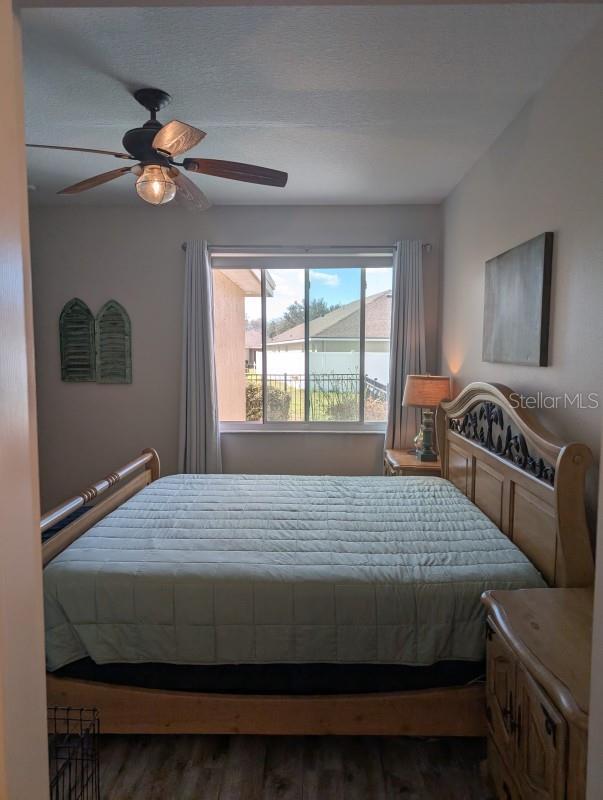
<point>156,185</point>
<point>426,391</point>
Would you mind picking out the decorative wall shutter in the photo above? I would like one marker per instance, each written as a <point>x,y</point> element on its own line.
<point>113,344</point>
<point>77,332</point>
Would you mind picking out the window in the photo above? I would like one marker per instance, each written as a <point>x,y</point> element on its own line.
<point>302,344</point>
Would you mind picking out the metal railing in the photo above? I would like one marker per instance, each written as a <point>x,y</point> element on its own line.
<point>333,397</point>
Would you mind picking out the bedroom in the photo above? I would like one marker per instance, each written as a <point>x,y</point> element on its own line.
<point>421,139</point>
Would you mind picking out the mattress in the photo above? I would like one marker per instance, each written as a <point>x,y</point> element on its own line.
<point>252,569</point>
<point>267,679</point>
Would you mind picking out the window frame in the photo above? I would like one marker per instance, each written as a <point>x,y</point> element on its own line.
<point>288,260</point>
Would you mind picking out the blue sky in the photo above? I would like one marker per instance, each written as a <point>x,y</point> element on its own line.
<point>343,285</point>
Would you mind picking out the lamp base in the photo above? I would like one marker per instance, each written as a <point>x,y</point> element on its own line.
<point>426,455</point>
<point>423,449</point>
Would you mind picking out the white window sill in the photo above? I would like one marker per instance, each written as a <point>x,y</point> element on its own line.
<point>303,427</point>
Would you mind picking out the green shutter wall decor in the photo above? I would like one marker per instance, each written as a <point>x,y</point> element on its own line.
<point>95,350</point>
<point>113,348</point>
<point>78,349</point>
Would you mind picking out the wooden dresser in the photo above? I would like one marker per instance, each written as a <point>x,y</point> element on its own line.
<point>537,692</point>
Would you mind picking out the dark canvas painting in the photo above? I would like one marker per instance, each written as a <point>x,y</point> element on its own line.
<point>516,304</point>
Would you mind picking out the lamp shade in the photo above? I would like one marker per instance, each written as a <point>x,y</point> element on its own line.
<point>426,391</point>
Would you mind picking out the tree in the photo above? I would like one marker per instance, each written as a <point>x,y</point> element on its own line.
<point>294,315</point>
<point>253,324</point>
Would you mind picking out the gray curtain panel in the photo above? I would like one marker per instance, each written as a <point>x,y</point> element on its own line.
<point>407,356</point>
<point>199,446</point>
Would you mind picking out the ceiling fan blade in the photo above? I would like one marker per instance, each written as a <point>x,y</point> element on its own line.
<point>177,137</point>
<point>97,180</point>
<point>84,150</point>
<point>236,171</point>
<point>189,192</point>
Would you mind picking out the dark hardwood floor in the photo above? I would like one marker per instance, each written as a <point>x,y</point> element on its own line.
<point>290,768</point>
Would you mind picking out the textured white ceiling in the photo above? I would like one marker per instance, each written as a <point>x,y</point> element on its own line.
<point>360,105</point>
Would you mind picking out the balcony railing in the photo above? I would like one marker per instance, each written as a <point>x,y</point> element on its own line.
<point>333,397</point>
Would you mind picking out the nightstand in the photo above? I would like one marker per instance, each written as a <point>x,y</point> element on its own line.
<point>403,462</point>
<point>537,692</point>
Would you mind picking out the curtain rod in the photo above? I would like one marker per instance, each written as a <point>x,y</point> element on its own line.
<point>244,248</point>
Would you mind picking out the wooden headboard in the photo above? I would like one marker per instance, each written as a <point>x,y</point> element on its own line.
<point>530,484</point>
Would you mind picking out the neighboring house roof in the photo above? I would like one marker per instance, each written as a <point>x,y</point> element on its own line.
<point>253,339</point>
<point>344,322</point>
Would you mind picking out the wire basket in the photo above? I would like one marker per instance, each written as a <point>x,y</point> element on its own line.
<point>73,753</point>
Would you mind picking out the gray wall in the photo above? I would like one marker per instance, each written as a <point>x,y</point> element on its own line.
<point>133,254</point>
<point>543,174</point>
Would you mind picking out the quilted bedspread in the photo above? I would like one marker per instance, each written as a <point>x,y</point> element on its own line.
<point>215,569</point>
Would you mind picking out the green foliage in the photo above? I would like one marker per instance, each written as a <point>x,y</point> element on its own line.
<point>336,404</point>
<point>294,315</point>
<point>278,403</point>
<point>320,308</point>
<point>375,410</point>
<point>253,402</point>
<point>341,407</point>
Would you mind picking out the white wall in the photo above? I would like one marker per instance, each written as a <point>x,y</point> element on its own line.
<point>133,254</point>
<point>543,174</point>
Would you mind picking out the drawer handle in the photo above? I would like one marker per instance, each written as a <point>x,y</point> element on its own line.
<point>510,723</point>
<point>549,726</point>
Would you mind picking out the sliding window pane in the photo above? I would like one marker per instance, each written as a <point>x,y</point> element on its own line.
<point>334,344</point>
<point>285,345</point>
<point>377,329</point>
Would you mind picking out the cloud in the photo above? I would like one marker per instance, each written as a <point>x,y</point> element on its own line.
<point>326,278</point>
<point>289,288</point>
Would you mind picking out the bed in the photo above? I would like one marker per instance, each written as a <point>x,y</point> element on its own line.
<point>211,572</point>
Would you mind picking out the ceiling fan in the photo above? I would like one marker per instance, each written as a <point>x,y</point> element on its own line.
<point>155,147</point>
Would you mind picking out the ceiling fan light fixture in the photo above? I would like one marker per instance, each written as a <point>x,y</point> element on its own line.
<point>155,185</point>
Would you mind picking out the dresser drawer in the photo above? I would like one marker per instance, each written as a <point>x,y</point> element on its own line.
<point>541,743</point>
<point>500,693</point>
<point>505,787</point>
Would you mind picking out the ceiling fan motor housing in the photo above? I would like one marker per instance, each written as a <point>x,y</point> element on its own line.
<point>139,143</point>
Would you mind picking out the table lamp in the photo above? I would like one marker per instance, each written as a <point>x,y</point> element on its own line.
<point>426,392</point>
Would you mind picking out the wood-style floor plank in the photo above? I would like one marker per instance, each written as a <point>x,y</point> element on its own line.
<point>362,768</point>
<point>401,769</point>
<point>283,777</point>
<point>323,768</point>
<point>290,768</point>
<point>243,776</point>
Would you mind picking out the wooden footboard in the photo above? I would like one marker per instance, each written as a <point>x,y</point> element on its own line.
<point>118,486</point>
<point>455,711</point>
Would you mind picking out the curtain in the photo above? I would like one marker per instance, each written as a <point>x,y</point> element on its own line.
<point>407,354</point>
<point>199,446</point>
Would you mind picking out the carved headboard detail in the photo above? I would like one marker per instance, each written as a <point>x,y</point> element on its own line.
<point>524,478</point>
<point>486,425</point>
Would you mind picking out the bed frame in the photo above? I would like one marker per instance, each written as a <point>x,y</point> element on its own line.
<point>528,482</point>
